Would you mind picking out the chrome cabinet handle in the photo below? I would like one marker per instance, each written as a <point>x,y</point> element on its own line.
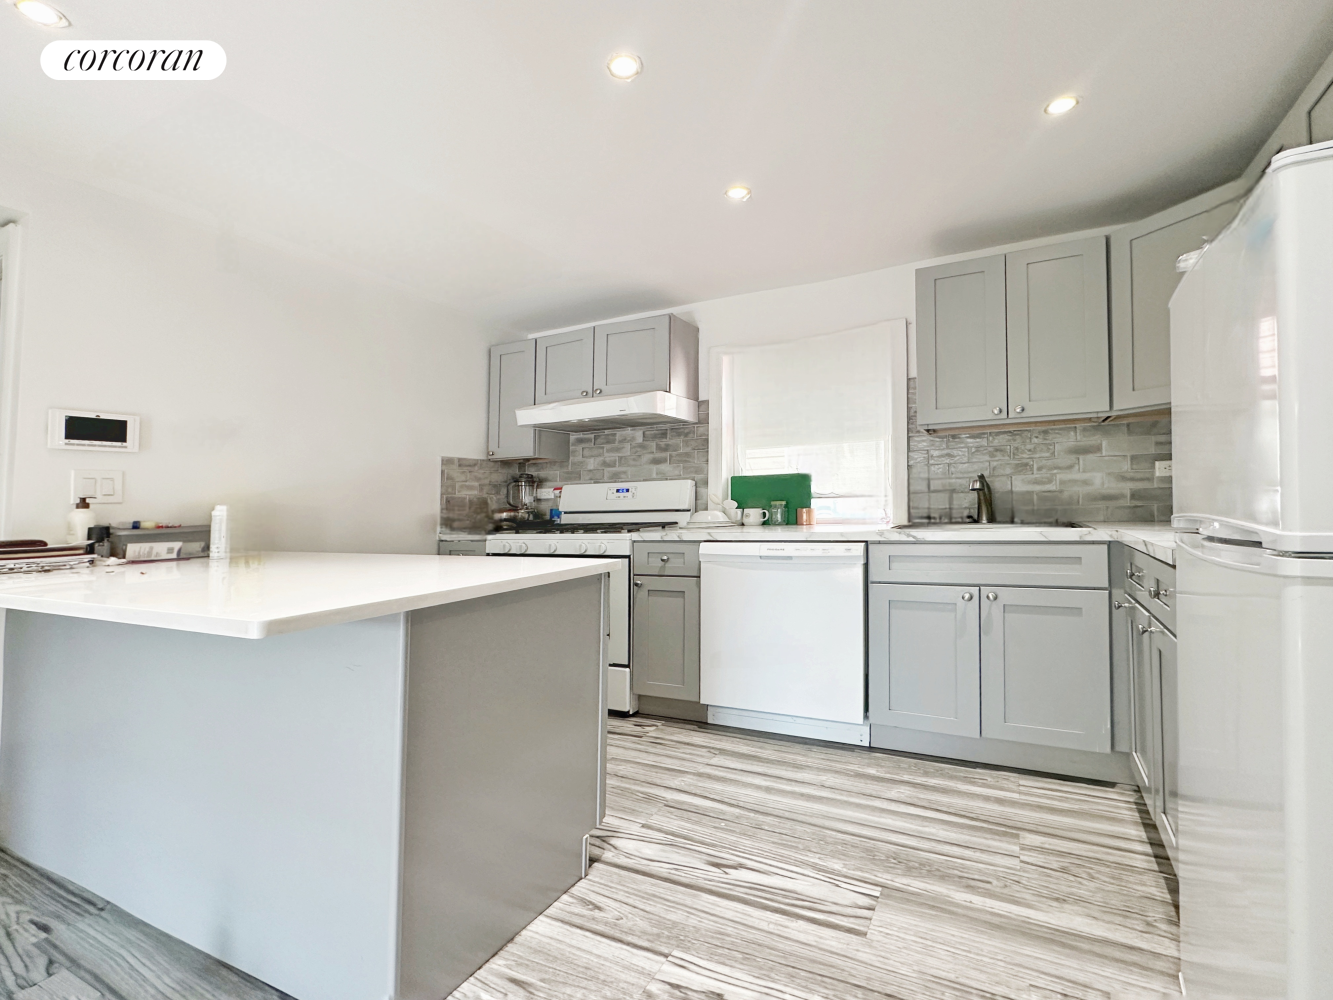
<point>1145,629</point>
<point>992,596</point>
<point>1117,605</point>
<point>997,411</point>
<point>967,595</point>
<point>1019,408</point>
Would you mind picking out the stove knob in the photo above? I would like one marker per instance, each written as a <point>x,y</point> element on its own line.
<point>598,548</point>
<point>520,547</point>
<point>502,547</point>
<point>551,547</point>
<point>583,548</point>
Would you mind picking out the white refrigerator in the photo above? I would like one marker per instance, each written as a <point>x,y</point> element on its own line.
<point>1252,423</point>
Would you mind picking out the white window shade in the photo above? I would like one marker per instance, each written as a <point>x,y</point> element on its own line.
<point>832,405</point>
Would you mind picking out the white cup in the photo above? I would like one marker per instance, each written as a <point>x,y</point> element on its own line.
<point>754,515</point>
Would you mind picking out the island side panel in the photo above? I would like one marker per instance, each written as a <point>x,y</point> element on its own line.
<point>241,794</point>
<point>503,744</point>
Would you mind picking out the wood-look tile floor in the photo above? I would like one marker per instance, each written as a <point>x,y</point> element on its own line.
<point>737,866</point>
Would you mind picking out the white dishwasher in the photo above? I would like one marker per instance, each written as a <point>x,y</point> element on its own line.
<point>782,637</point>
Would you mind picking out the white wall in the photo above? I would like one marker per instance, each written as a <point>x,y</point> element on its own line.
<point>316,402</point>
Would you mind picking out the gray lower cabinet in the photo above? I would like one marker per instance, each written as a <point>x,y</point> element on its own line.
<point>665,655</point>
<point>1057,329</point>
<point>961,356</point>
<point>924,653</point>
<point>1143,278</point>
<point>1045,667</point>
<point>462,547</point>
<point>564,366</point>
<point>512,385</point>
<point>1145,710</point>
<point>1163,649</point>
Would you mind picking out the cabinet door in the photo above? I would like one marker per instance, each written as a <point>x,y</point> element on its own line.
<point>1163,648</point>
<point>511,387</point>
<point>564,365</point>
<point>925,658</point>
<point>665,658</point>
<point>1143,278</point>
<point>1046,667</point>
<point>1144,727</point>
<point>634,356</point>
<point>1058,349</point>
<point>1321,117</point>
<point>960,342</point>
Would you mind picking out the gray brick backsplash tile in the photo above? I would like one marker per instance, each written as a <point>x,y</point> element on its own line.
<point>1084,472</point>
<point>1103,463</point>
<point>1055,465</point>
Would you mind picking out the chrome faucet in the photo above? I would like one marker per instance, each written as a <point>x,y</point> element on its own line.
<point>985,503</point>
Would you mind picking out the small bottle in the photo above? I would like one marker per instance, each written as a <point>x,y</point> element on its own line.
<point>80,519</point>
<point>219,545</point>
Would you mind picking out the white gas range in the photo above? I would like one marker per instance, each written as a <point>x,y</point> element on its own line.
<point>597,519</point>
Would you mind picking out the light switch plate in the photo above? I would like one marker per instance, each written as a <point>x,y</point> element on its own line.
<point>99,485</point>
<point>1162,468</point>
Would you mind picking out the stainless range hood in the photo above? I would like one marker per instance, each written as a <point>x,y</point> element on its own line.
<point>640,409</point>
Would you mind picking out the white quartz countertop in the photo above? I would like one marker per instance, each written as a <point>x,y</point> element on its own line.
<point>266,593</point>
<point>1156,540</point>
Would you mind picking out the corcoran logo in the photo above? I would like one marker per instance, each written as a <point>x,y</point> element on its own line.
<point>133,60</point>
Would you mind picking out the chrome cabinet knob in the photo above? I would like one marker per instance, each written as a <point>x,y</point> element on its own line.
<point>666,559</point>
<point>1118,605</point>
<point>584,392</point>
<point>597,392</point>
<point>967,595</point>
<point>997,410</point>
<point>638,583</point>
<point>490,453</point>
<point>992,596</point>
<point>1019,408</point>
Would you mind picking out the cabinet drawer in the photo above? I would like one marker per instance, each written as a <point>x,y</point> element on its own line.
<point>666,558</point>
<point>1052,564</point>
<point>463,547</point>
<point>1153,584</point>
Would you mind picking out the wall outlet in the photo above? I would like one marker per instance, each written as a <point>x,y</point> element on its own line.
<point>1162,468</point>
<point>99,485</point>
<point>545,494</point>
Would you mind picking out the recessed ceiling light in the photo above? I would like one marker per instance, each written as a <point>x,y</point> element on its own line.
<point>43,13</point>
<point>624,66</point>
<point>738,192</point>
<point>1061,104</point>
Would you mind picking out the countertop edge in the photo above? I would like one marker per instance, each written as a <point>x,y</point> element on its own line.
<point>258,628</point>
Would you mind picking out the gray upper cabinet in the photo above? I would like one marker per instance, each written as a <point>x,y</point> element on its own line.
<point>961,356</point>
<point>1143,278</point>
<point>616,359</point>
<point>924,658</point>
<point>512,384</point>
<point>1320,117</point>
<point>564,366</point>
<point>1045,667</point>
<point>643,355</point>
<point>1057,319</point>
<point>665,657</point>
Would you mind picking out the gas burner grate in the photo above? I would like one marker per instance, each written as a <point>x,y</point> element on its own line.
<point>571,528</point>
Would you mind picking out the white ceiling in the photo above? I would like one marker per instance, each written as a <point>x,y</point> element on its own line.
<point>480,154</point>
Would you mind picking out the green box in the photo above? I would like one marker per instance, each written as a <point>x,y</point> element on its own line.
<point>760,491</point>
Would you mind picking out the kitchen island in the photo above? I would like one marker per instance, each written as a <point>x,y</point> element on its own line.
<point>354,777</point>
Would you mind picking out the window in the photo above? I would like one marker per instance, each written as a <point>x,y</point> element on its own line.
<point>833,406</point>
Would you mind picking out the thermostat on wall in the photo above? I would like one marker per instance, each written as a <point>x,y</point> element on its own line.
<point>80,430</point>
